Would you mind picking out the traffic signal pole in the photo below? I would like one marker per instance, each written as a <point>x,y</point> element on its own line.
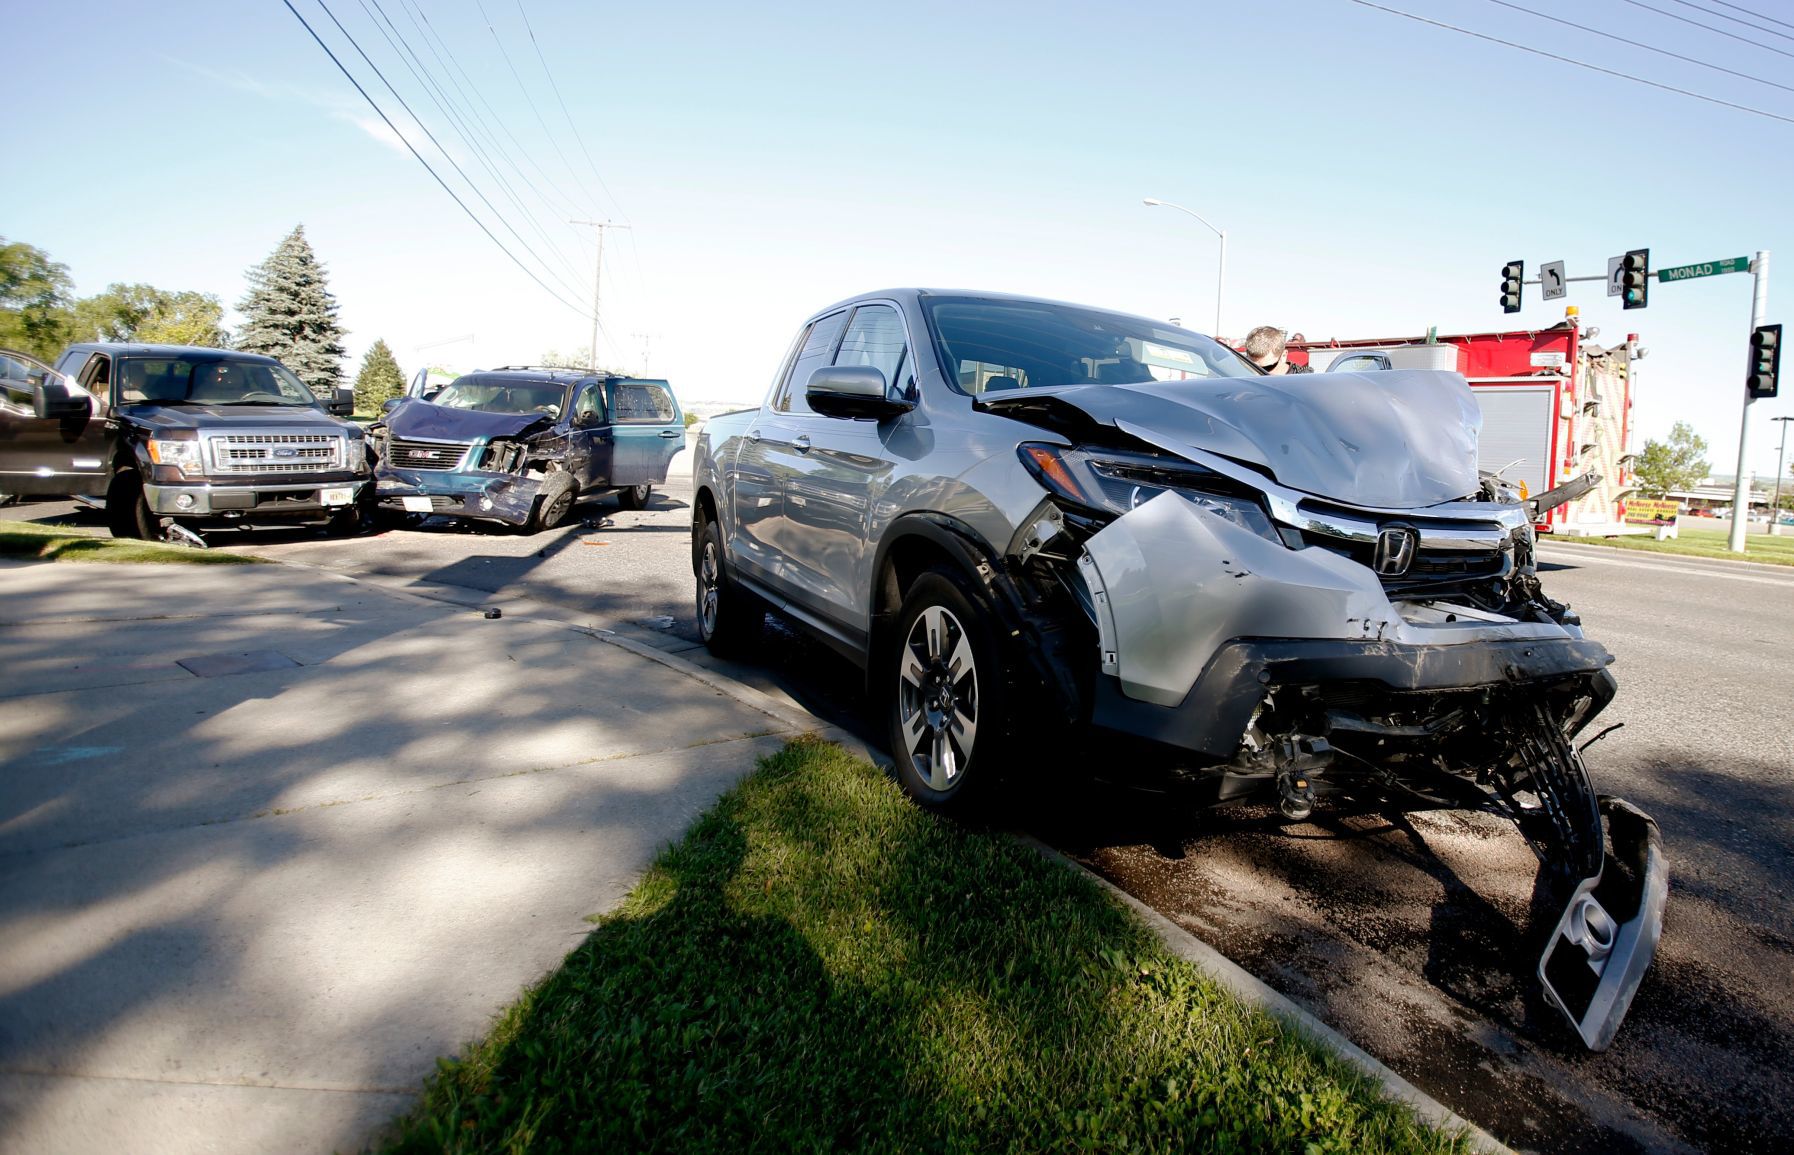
<point>1759,308</point>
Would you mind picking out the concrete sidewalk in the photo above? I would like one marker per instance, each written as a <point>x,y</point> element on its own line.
<point>272,841</point>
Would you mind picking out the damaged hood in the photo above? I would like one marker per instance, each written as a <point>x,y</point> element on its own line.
<point>422,419</point>
<point>1395,438</point>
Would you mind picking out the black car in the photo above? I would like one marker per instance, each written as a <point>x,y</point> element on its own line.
<point>519,445</point>
<point>172,434</point>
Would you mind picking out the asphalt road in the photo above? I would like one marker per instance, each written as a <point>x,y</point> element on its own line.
<point>1412,934</point>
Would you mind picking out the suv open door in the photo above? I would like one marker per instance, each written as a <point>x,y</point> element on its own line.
<point>53,433</point>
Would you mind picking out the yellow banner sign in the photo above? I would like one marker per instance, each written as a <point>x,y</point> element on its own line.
<point>1651,511</point>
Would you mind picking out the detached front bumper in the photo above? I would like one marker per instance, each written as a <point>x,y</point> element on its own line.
<point>284,500</point>
<point>504,497</point>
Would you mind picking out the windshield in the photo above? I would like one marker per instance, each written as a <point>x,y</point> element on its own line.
<point>211,381</point>
<point>988,346</point>
<point>521,397</point>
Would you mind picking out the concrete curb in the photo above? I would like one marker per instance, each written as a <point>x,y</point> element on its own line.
<point>1249,989</point>
<point>1231,977</point>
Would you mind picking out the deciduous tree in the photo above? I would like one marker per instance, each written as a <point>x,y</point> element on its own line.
<point>1677,463</point>
<point>34,301</point>
<point>146,313</point>
<point>290,314</point>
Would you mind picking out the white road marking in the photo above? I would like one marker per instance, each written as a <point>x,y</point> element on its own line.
<point>1574,555</point>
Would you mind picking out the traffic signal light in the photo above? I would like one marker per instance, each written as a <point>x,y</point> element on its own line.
<point>1635,279</point>
<point>1512,274</point>
<point>1765,361</point>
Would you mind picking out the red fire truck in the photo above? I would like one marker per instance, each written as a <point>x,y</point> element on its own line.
<point>1555,407</point>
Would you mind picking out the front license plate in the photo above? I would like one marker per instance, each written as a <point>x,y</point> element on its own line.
<point>341,495</point>
<point>416,504</point>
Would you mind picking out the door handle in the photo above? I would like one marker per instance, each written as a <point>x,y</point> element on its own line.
<point>669,433</point>
<point>801,442</point>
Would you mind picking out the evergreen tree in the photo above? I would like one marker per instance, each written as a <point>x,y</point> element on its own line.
<point>380,379</point>
<point>290,315</point>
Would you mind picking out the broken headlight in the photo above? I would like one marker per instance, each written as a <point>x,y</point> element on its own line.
<point>1115,482</point>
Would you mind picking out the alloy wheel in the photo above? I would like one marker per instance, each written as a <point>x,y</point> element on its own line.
<point>709,591</point>
<point>937,697</point>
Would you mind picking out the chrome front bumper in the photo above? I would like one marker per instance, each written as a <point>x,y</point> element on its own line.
<point>206,500</point>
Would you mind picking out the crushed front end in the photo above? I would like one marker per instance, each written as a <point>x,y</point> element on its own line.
<point>1293,648</point>
<point>464,465</point>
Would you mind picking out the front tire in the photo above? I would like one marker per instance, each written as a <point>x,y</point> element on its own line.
<point>944,684</point>
<point>128,514</point>
<point>728,617</point>
<point>553,503</point>
<point>634,497</point>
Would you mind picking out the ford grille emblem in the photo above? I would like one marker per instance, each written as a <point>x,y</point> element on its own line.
<point>1395,551</point>
<point>286,451</point>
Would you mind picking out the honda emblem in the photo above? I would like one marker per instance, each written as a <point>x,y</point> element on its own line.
<point>1395,551</point>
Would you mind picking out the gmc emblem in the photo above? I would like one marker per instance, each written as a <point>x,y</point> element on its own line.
<point>1395,551</point>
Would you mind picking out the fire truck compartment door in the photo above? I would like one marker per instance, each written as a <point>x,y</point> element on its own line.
<point>1516,427</point>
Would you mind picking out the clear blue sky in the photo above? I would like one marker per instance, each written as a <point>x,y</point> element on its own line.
<point>1373,173</point>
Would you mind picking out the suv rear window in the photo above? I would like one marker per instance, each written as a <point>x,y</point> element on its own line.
<point>640,402</point>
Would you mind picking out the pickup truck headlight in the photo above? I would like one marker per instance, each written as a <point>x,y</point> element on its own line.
<point>183,455</point>
<point>1116,482</point>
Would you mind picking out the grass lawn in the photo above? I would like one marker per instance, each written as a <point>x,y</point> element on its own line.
<point>1699,542</point>
<point>819,965</point>
<point>23,539</point>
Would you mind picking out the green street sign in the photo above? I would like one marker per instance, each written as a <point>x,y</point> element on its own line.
<point>1705,269</point>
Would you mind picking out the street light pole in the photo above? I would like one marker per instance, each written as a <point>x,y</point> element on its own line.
<point>1781,467</point>
<point>1221,279</point>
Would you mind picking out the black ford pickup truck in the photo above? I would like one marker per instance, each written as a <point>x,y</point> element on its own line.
<point>171,435</point>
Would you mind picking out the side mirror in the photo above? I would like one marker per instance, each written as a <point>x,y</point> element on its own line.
<point>51,397</point>
<point>853,391</point>
<point>391,403</point>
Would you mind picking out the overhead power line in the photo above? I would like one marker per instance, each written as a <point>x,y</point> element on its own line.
<point>1577,63</point>
<point>1758,15</point>
<point>403,139</point>
<point>433,40</point>
<point>1705,11</point>
<point>1640,44</point>
<point>521,87</point>
<point>456,165</point>
<point>409,58</point>
<point>1710,28</point>
<point>578,138</point>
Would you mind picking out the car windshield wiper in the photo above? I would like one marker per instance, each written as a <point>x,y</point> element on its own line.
<point>229,404</point>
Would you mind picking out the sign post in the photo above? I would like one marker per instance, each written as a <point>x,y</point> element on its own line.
<point>1759,307</point>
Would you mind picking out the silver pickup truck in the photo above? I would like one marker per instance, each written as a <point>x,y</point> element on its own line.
<point>1028,520</point>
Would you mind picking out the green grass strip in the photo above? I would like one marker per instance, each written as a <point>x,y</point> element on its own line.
<point>820,966</point>
<point>1697,543</point>
<point>23,539</point>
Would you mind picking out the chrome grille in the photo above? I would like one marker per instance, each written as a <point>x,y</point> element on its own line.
<point>408,453</point>
<point>274,452</point>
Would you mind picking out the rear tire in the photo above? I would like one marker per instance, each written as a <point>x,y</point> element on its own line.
<point>945,707</point>
<point>634,497</point>
<point>728,617</point>
<point>552,503</point>
<point>128,514</point>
